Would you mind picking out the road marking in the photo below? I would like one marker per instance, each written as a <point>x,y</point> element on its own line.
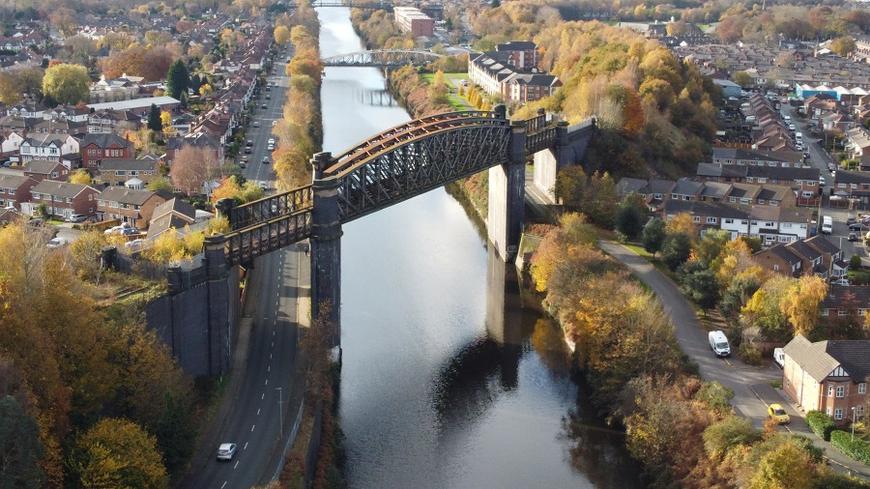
<point>727,362</point>
<point>258,413</point>
<point>268,368</point>
<point>273,332</point>
<point>267,382</point>
<point>246,446</point>
<point>270,356</point>
<point>223,485</point>
<point>252,427</point>
<point>237,464</point>
<point>273,343</point>
<point>262,396</point>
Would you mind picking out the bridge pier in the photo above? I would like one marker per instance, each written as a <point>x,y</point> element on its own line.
<point>505,213</point>
<point>326,247</point>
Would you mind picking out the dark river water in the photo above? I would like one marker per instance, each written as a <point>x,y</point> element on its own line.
<point>447,381</point>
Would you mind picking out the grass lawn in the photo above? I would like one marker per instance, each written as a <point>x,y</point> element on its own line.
<point>638,250</point>
<point>457,102</point>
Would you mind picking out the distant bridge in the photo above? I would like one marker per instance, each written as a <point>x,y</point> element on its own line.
<point>362,4</point>
<point>383,58</point>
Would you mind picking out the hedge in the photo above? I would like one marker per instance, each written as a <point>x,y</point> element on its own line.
<point>821,424</point>
<point>858,449</point>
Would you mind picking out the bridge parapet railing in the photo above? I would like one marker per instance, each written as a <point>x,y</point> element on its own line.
<point>408,131</point>
<point>244,245</point>
<point>272,206</point>
<point>542,139</point>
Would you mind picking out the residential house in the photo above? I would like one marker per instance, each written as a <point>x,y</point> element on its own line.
<point>113,121</point>
<point>118,172</point>
<point>833,264</point>
<point>741,156</point>
<point>55,147</point>
<point>61,199</point>
<point>858,145</point>
<point>197,140</point>
<point>846,300</point>
<point>131,206</point>
<point>14,190</point>
<point>828,376</point>
<point>139,106</point>
<point>811,255</point>
<point>123,88</point>
<point>173,214</point>
<point>522,88</point>
<point>41,170</point>
<point>97,148</point>
<point>804,181</point>
<point>11,146</point>
<point>770,223</point>
<point>852,186</point>
<point>510,72</point>
<point>780,259</point>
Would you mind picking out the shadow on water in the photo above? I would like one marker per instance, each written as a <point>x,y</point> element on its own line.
<point>487,368</point>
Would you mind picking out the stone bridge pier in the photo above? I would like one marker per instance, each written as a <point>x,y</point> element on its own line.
<point>326,247</point>
<point>505,211</point>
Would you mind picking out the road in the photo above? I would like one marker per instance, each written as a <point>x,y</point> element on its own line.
<point>819,158</point>
<point>752,387</point>
<point>261,399</point>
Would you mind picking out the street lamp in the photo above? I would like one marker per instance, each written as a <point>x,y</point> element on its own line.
<point>281,411</point>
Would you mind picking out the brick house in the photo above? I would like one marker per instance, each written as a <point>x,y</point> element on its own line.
<point>98,147</point>
<point>845,301</point>
<point>780,259</point>
<point>852,185</point>
<point>171,215</point>
<point>116,172</point>
<point>828,376</point>
<point>45,169</point>
<point>133,206</point>
<point>62,199</point>
<point>15,189</point>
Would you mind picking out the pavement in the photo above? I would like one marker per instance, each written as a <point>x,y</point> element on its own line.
<point>752,386</point>
<point>263,396</point>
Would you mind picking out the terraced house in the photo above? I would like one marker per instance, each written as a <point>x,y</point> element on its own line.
<point>128,205</point>
<point>61,199</point>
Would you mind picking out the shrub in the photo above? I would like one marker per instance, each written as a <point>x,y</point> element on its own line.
<point>722,435</point>
<point>716,396</point>
<point>749,353</point>
<point>838,481</point>
<point>858,449</point>
<point>821,424</point>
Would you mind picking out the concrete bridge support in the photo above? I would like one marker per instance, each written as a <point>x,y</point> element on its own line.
<point>506,196</point>
<point>326,247</point>
<point>548,162</point>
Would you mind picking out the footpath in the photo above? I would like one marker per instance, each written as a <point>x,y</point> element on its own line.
<point>752,386</point>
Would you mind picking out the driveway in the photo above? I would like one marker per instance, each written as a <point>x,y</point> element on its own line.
<point>752,386</point>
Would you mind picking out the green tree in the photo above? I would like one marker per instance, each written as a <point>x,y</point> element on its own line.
<point>653,235</point>
<point>160,183</point>
<point>630,216</point>
<point>843,45</point>
<point>177,80</point>
<point>742,78</point>
<point>20,448</point>
<point>675,250</point>
<point>570,184</point>
<point>118,453</point>
<point>154,122</point>
<point>723,435</point>
<point>699,284</point>
<point>66,83</point>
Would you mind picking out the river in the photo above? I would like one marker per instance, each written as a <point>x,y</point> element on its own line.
<point>447,380</point>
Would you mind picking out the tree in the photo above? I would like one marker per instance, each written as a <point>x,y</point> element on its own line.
<point>20,447</point>
<point>177,80</point>
<point>160,183</point>
<point>801,302</point>
<point>742,78</point>
<point>81,177</point>
<point>205,90</point>
<point>630,216</point>
<point>154,122</point>
<point>682,223</point>
<point>282,35</point>
<point>786,465</point>
<point>9,93</point>
<point>723,435</point>
<point>66,83</point>
<point>700,284</point>
<point>843,45</point>
<point>166,123</point>
<point>675,250</point>
<point>653,236</point>
<point>192,167</point>
<point>118,453</point>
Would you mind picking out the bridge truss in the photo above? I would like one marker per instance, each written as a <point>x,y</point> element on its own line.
<point>389,58</point>
<point>390,167</point>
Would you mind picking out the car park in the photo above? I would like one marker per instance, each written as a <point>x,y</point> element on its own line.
<point>776,412</point>
<point>226,451</point>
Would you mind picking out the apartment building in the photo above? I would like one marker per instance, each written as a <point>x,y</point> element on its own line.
<point>413,20</point>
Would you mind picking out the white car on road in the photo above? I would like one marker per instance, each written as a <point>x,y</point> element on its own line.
<point>226,451</point>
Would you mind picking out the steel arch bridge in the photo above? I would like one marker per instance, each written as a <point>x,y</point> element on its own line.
<point>362,4</point>
<point>388,58</point>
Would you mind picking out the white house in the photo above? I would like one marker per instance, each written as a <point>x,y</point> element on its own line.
<point>48,147</point>
<point>11,145</point>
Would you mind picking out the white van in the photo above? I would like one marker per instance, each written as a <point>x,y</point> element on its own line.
<point>827,225</point>
<point>719,343</point>
<point>799,137</point>
<point>779,357</point>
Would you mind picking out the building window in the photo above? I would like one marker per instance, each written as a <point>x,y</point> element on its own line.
<point>696,218</point>
<point>830,391</point>
<point>829,411</point>
<point>862,388</point>
<point>841,391</point>
<point>825,312</point>
<point>838,414</point>
<point>842,312</point>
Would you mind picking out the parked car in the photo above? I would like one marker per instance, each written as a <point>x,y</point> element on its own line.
<point>135,244</point>
<point>264,106</point>
<point>776,411</point>
<point>77,218</point>
<point>853,236</point>
<point>226,451</point>
<point>719,343</point>
<point>256,123</point>
<point>265,160</point>
<point>856,226</point>
<point>779,357</point>
<point>57,242</point>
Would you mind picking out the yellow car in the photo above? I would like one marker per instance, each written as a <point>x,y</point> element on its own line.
<point>776,412</point>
